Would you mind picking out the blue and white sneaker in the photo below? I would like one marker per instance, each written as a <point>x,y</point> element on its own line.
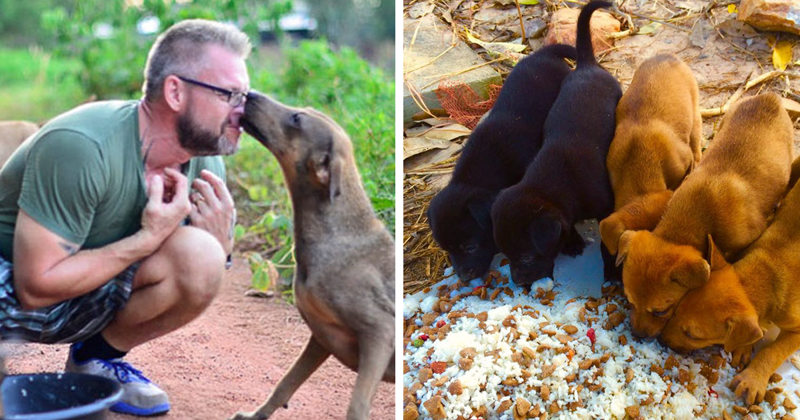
<point>140,397</point>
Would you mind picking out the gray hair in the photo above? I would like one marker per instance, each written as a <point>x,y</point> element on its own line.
<point>176,51</point>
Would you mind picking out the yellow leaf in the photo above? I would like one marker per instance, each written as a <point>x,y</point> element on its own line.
<point>496,48</point>
<point>782,54</point>
<point>529,2</point>
<point>732,8</point>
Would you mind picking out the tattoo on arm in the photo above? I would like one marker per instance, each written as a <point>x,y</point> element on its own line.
<point>71,249</point>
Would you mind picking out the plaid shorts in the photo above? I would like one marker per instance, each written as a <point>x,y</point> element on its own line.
<point>66,322</point>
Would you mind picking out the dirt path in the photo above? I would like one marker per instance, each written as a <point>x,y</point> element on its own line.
<point>230,359</point>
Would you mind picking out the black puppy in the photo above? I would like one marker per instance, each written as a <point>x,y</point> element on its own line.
<point>568,181</point>
<point>495,157</point>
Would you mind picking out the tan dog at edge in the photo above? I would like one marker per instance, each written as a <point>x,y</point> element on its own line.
<point>344,278</point>
<point>12,134</point>
<point>730,195</point>
<point>761,288</point>
<point>656,143</point>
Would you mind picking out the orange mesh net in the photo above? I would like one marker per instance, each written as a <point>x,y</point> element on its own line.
<point>463,103</point>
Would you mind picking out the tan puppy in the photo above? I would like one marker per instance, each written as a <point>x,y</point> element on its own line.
<point>729,195</point>
<point>656,143</point>
<point>761,288</point>
<point>12,134</point>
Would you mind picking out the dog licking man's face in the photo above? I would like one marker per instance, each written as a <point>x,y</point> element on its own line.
<point>460,222</point>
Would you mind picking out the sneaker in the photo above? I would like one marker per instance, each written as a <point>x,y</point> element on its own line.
<point>140,397</point>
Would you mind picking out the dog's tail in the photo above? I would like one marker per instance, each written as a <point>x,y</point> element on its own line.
<point>584,38</point>
<point>561,51</point>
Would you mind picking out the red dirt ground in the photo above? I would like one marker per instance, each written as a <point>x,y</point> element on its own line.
<point>228,360</point>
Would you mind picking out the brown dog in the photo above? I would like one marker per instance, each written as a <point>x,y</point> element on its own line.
<point>761,288</point>
<point>12,134</point>
<point>729,195</point>
<point>656,143</point>
<point>344,279</point>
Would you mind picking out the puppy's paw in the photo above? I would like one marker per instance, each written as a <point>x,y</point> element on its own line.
<point>248,416</point>
<point>749,386</point>
<point>740,357</point>
<point>574,245</point>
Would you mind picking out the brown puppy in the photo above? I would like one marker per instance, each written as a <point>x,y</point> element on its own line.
<point>729,195</point>
<point>12,134</point>
<point>761,288</point>
<point>344,279</point>
<point>656,143</point>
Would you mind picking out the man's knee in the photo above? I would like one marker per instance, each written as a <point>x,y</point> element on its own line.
<point>197,260</point>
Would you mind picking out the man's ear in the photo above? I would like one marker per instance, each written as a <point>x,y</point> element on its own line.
<point>174,95</point>
<point>624,246</point>
<point>715,258</point>
<point>743,330</point>
<point>545,233</point>
<point>326,170</point>
<point>691,274</point>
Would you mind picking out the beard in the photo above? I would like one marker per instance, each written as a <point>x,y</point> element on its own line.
<point>201,142</point>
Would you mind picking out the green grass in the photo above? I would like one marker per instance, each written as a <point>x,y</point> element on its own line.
<point>35,86</point>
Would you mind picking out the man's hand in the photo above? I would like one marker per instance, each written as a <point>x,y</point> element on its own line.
<point>161,217</point>
<point>213,209</point>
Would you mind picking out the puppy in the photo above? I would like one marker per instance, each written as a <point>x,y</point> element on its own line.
<point>657,142</point>
<point>494,157</point>
<point>344,279</point>
<point>567,181</point>
<point>12,134</point>
<point>729,195</point>
<point>763,287</point>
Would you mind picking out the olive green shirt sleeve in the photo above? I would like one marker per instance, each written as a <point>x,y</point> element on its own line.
<point>63,183</point>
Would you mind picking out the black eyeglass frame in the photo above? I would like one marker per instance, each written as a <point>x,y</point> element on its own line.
<point>234,98</point>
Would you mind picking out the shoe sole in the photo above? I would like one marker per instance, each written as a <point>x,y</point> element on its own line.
<point>124,408</point>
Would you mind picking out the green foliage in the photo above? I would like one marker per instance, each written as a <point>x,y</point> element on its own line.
<point>113,58</point>
<point>37,86</point>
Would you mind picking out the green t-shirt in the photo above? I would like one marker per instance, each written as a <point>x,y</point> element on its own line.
<point>82,177</point>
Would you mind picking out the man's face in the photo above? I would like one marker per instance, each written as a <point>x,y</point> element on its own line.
<point>209,125</point>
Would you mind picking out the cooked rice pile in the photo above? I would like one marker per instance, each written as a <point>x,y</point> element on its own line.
<point>494,351</point>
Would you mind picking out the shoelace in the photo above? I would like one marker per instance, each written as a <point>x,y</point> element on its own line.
<point>124,371</point>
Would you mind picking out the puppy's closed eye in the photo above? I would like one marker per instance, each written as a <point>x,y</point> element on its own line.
<point>689,334</point>
<point>469,248</point>
<point>660,314</point>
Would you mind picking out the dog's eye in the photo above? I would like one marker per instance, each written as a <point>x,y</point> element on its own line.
<point>660,314</point>
<point>470,248</point>
<point>526,259</point>
<point>296,119</point>
<point>689,335</point>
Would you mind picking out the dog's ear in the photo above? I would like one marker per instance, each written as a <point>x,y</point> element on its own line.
<point>545,232</point>
<point>691,274</point>
<point>624,246</point>
<point>327,171</point>
<point>480,206</point>
<point>611,228</point>
<point>715,258</point>
<point>743,330</point>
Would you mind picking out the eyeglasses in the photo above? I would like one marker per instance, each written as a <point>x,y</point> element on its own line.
<point>233,98</point>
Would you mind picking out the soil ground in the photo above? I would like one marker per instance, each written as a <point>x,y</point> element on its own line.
<point>229,359</point>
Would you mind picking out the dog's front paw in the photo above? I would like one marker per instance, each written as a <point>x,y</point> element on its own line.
<point>740,357</point>
<point>574,245</point>
<point>248,416</point>
<point>749,386</point>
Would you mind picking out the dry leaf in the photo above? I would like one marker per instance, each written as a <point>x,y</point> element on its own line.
<point>413,146</point>
<point>497,48</point>
<point>700,33</point>
<point>782,54</point>
<point>448,132</point>
<point>420,9</point>
<point>649,28</point>
<point>529,2</point>
<point>431,157</point>
<point>793,108</point>
<point>737,28</point>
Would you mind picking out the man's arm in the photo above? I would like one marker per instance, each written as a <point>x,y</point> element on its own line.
<point>49,269</point>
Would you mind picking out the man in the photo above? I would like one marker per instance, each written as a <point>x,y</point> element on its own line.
<point>107,246</point>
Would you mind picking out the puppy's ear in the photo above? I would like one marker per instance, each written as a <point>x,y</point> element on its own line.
<point>480,206</point>
<point>327,171</point>
<point>691,274</point>
<point>623,246</point>
<point>545,232</point>
<point>743,330</point>
<point>715,258</point>
<point>611,228</point>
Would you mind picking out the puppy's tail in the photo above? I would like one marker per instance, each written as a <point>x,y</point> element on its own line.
<point>583,41</point>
